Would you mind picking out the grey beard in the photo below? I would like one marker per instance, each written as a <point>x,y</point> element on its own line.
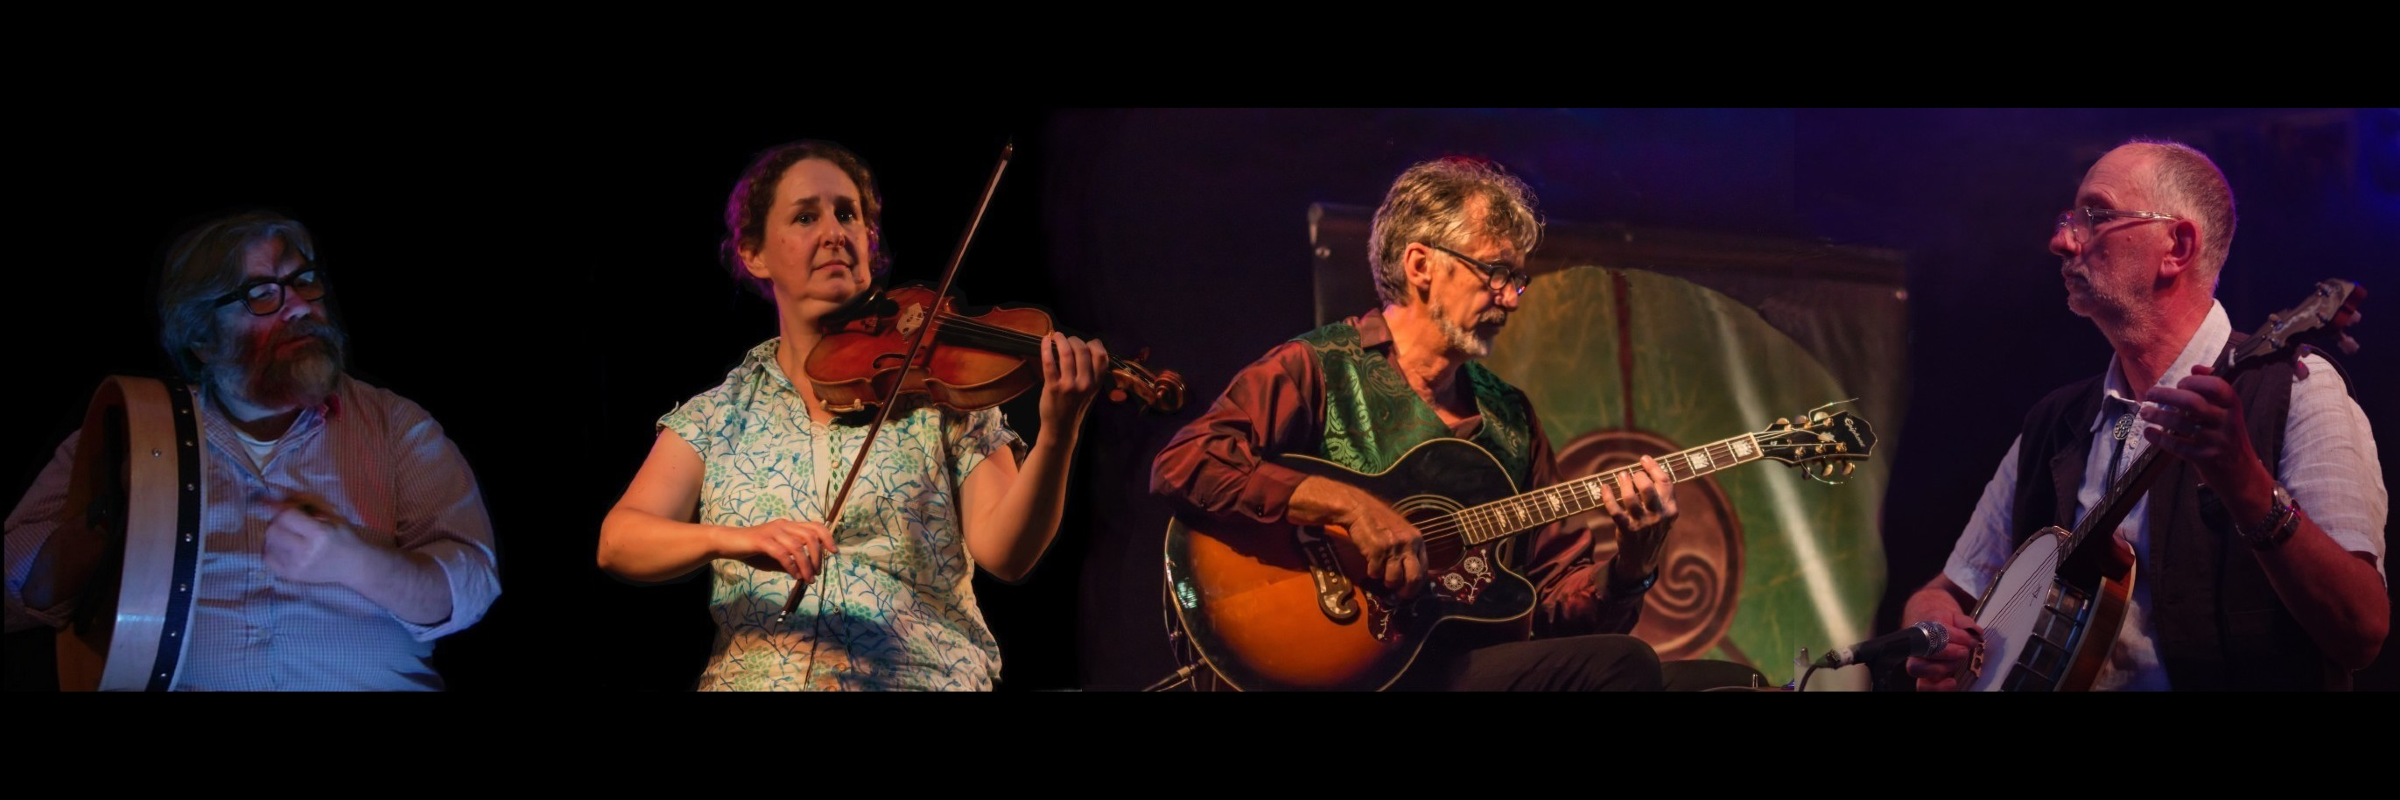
<point>2113,311</point>
<point>1459,338</point>
<point>305,378</point>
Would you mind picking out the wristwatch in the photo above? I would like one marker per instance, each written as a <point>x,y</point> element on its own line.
<point>1620,592</point>
<point>2283,518</point>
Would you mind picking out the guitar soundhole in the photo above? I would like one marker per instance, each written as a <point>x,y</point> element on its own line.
<point>1700,576</point>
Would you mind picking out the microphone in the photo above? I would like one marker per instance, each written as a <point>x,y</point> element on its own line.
<point>1918,640</point>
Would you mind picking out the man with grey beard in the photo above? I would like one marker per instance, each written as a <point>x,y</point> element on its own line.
<point>1448,247</point>
<point>340,532</point>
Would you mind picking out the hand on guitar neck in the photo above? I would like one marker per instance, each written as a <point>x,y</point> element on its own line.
<point>1394,549</point>
<point>1642,522</point>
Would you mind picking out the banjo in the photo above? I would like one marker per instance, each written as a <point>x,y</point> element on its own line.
<point>2053,614</point>
<point>135,485</point>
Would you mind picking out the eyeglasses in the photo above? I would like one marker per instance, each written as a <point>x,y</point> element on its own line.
<point>2081,224</point>
<point>265,297</point>
<point>1495,276</point>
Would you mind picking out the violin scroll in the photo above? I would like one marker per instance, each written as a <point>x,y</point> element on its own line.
<point>1161,391</point>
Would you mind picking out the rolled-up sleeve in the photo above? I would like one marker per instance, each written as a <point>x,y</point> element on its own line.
<point>2330,466</point>
<point>441,516</point>
<point>1985,546</point>
<point>1216,464</point>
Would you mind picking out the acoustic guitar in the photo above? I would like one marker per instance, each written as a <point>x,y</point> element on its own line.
<point>1287,607</point>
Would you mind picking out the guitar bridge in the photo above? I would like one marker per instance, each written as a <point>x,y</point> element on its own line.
<point>1335,595</point>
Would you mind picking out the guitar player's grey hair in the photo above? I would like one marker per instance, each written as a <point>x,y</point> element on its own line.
<point>1433,203</point>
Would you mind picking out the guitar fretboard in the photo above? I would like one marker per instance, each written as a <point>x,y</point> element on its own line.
<point>1540,507</point>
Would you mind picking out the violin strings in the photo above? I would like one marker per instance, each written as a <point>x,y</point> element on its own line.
<point>993,334</point>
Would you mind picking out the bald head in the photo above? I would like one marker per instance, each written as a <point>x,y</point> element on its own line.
<point>2184,182</point>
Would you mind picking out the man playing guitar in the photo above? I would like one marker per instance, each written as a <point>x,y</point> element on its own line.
<point>1447,248</point>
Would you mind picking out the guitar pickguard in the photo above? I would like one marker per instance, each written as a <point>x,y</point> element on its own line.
<point>1334,592</point>
<point>1465,582</point>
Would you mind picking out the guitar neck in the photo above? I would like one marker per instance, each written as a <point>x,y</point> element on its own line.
<point>1524,512</point>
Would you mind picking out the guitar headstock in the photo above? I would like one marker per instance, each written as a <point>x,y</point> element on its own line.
<point>2321,320</point>
<point>1818,441</point>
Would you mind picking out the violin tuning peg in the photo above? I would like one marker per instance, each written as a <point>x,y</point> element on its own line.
<point>1783,421</point>
<point>1116,395</point>
<point>1849,467</point>
<point>1829,469</point>
<point>1841,447</point>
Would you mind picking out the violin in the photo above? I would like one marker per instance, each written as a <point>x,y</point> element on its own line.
<point>972,361</point>
<point>877,349</point>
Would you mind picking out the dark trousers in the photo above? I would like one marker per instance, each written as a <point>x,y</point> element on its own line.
<point>1603,663</point>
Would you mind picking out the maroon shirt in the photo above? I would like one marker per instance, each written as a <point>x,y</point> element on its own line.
<point>1219,465</point>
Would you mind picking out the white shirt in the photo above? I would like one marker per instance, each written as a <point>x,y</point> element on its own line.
<point>258,449</point>
<point>379,462</point>
<point>2328,465</point>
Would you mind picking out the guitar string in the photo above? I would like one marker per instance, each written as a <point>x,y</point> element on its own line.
<point>1448,525</point>
<point>2036,600</point>
<point>2016,605</point>
<point>1464,521</point>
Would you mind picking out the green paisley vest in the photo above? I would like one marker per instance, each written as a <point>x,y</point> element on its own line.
<point>1372,417</point>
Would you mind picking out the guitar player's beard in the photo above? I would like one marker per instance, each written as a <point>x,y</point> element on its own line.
<point>299,366</point>
<point>1470,341</point>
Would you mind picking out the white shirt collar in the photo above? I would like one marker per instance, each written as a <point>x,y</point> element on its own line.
<point>2202,348</point>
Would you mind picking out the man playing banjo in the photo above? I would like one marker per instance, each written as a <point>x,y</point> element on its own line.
<point>2258,554</point>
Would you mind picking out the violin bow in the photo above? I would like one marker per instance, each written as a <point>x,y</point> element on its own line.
<point>915,344</point>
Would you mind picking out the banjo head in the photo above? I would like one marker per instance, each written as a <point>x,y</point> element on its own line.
<point>2013,606</point>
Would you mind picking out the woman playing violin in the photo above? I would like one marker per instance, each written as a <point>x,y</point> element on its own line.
<point>888,592</point>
